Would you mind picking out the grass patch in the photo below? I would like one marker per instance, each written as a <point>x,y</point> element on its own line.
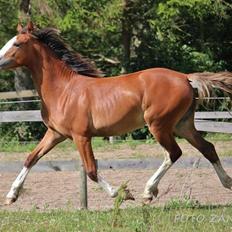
<point>16,146</point>
<point>218,137</point>
<point>138,219</point>
<point>99,144</point>
<point>226,153</point>
<point>186,203</point>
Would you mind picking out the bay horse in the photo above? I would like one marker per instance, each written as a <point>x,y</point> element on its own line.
<point>78,104</point>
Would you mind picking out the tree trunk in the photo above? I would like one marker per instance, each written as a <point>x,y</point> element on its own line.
<point>22,77</point>
<point>126,34</point>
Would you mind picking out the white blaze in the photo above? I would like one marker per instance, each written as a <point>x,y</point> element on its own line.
<point>7,46</point>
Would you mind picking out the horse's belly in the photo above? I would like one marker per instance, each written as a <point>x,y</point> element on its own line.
<point>119,125</point>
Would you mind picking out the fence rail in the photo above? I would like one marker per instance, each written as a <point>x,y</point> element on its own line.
<point>202,119</point>
<point>21,116</point>
<point>21,94</point>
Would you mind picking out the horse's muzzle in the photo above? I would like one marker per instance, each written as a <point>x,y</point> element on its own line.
<point>5,63</point>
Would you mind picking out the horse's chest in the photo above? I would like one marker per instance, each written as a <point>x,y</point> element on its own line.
<point>57,122</point>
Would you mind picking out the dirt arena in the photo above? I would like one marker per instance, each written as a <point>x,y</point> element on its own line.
<point>52,190</point>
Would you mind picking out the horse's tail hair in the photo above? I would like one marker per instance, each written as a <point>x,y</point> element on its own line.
<point>206,82</point>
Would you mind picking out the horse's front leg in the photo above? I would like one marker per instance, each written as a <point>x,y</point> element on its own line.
<point>50,139</point>
<point>87,156</point>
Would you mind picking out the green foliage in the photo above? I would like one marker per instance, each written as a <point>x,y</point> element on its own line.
<point>185,35</point>
<point>22,131</point>
<point>186,202</point>
<point>139,219</point>
<point>117,204</point>
<point>141,133</point>
<point>188,36</point>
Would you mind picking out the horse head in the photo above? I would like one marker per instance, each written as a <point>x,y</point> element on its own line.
<point>15,52</point>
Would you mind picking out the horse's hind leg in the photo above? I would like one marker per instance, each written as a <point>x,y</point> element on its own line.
<point>167,141</point>
<point>186,129</point>
<point>50,139</point>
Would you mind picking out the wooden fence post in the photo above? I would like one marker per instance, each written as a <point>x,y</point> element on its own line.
<point>83,187</point>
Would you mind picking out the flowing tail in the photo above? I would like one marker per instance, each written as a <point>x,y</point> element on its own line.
<point>205,83</point>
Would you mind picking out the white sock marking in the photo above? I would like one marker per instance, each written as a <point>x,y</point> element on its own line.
<point>17,184</point>
<point>7,46</point>
<point>153,182</point>
<point>107,187</point>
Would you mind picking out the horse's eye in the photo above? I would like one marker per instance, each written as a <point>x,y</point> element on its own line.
<point>17,45</point>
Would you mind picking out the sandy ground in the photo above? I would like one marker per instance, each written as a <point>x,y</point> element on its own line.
<point>51,190</point>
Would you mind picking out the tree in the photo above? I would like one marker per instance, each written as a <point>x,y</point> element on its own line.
<point>130,35</point>
<point>22,77</point>
<point>127,34</point>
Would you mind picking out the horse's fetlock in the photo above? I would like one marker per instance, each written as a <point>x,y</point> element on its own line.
<point>93,175</point>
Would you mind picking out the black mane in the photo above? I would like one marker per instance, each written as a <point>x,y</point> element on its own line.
<point>73,60</point>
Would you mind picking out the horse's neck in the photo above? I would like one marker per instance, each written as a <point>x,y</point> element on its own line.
<point>48,78</point>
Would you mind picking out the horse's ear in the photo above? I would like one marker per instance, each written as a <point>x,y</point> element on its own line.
<point>19,27</point>
<point>30,26</point>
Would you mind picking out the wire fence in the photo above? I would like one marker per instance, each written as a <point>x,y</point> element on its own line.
<point>18,102</point>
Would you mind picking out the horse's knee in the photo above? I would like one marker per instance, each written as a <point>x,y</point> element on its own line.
<point>92,175</point>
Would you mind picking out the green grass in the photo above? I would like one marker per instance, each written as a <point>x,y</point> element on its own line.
<point>141,219</point>
<point>176,215</point>
<point>218,137</point>
<point>99,143</point>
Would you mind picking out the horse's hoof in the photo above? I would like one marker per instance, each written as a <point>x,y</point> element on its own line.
<point>9,201</point>
<point>147,198</point>
<point>227,182</point>
<point>147,201</point>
